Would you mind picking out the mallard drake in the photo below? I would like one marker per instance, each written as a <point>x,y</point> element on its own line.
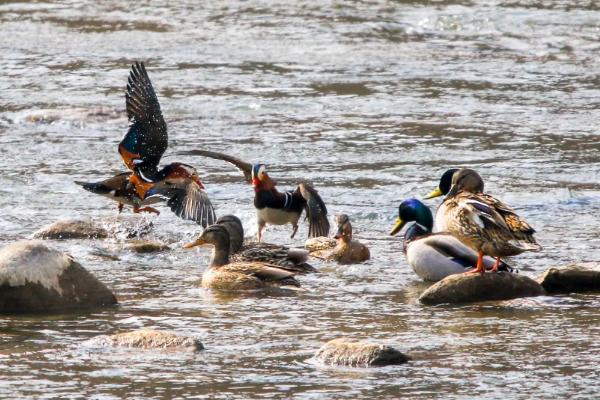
<point>483,222</point>
<point>292,259</point>
<point>222,274</point>
<point>434,256</point>
<point>119,189</point>
<point>274,207</point>
<point>141,150</point>
<point>347,250</point>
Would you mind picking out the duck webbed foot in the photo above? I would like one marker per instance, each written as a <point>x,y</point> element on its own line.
<point>146,209</point>
<point>479,268</point>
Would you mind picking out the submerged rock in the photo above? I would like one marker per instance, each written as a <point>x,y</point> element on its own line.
<point>121,226</point>
<point>146,246</point>
<point>343,352</point>
<point>37,279</point>
<point>571,278</point>
<point>469,288</point>
<point>149,339</point>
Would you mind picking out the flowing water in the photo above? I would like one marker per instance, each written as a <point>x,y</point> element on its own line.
<point>371,101</point>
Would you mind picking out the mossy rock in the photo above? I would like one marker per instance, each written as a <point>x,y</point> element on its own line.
<point>343,352</point>
<point>149,339</point>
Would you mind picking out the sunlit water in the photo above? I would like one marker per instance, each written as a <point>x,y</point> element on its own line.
<point>371,102</point>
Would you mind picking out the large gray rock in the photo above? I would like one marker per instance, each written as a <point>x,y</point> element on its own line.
<point>343,352</point>
<point>37,279</point>
<point>148,339</point>
<point>121,226</point>
<point>469,288</point>
<point>571,278</point>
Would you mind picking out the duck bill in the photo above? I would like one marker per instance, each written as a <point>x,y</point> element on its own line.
<point>437,192</point>
<point>398,227</point>
<point>339,234</point>
<point>197,242</point>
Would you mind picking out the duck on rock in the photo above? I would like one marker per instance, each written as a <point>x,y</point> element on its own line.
<point>483,222</point>
<point>434,256</point>
<point>225,275</point>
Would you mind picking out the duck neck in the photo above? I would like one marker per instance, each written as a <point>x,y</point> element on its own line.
<point>220,255</point>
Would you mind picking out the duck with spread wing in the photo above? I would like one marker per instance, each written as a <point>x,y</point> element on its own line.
<point>141,149</point>
<point>274,207</point>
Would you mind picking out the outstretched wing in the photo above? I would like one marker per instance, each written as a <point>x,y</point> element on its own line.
<point>243,166</point>
<point>146,140</point>
<point>187,202</point>
<point>193,204</point>
<point>316,212</point>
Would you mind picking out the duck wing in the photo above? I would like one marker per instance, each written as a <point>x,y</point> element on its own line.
<point>264,272</point>
<point>316,212</point>
<point>146,139</point>
<point>243,166</point>
<point>189,202</point>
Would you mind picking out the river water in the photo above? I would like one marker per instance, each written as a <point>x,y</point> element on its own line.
<point>371,101</point>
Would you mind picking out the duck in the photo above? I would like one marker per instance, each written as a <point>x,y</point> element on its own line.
<point>223,274</point>
<point>346,250</point>
<point>434,256</point>
<point>141,150</point>
<point>119,189</point>
<point>274,207</point>
<point>240,250</point>
<point>482,222</point>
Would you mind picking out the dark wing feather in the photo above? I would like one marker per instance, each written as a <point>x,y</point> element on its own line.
<point>318,225</point>
<point>192,203</point>
<point>514,222</point>
<point>147,134</point>
<point>243,166</point>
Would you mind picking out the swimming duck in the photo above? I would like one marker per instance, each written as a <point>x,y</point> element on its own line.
<point>119,189</point>
<point>274,207</point>
<point>240,250</point>
<point>222,274</point>
<point>141,150</point>
<point>347,250</point>
<point>434,256</point>
<point>483,222</point>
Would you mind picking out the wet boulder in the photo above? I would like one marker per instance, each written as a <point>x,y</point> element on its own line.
<point>37,279</point>
<point>571,278</point>
<point>120,227</point>
<point>469,288</point>
<point>344,352</point>
<point>149,339</point>
<point>146,246</point>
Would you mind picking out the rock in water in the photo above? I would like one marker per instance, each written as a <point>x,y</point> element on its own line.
<point>121,226</point>
<point>146,246</point>
<point>343,352</point>
<point>571,278</point>
<point>37,279</point>
<point>469,288</point>
<point>149,339</point>
<point>72,229</point>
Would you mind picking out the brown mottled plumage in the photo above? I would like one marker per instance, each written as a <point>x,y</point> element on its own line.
<point>481,221</point>
<point>224,275</point>
<point>347,250</point>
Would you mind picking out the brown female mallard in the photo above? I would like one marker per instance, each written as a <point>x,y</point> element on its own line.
<point>483,222</point>
<point>347,250</point>
<point>224,275</point>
